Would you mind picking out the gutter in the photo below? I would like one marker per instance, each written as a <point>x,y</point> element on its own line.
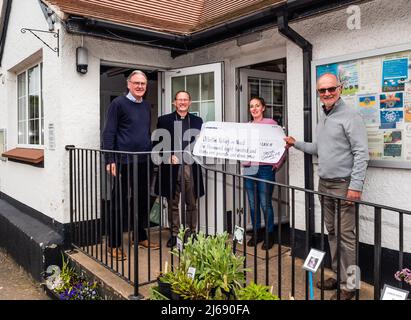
<point>180,44</point>
<point>307,48</point>
<point>5,15</point>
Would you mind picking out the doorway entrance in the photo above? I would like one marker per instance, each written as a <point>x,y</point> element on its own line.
<point>267,80</point>
<point>113,83</point>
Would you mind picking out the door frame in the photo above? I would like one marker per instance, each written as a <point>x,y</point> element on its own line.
<point>244,73</point>
<point>242,94</point>
<point>217,68</point>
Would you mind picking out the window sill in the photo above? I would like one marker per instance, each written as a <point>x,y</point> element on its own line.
<point>34,157</point>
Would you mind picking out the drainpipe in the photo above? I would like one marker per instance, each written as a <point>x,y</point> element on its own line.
<point>307,48</point>
<point>5,14</point>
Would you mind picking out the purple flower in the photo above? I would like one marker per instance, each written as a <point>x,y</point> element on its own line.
<point>403,275</point>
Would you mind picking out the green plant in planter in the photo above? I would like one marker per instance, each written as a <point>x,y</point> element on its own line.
<point>193,289</point>
<point>255,292</point>
<point>215,263</point>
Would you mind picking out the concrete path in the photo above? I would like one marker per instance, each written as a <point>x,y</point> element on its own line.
<point>15,283</point>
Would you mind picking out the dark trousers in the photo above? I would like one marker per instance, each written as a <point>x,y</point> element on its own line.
<point>122,211</point>
<point>190,216</point>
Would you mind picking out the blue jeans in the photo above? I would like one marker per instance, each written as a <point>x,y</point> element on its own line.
<point>261,196</point>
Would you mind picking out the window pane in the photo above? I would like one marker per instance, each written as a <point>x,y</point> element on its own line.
<point>208,111</point>
<point>195,108</point>
<point>22,135</point>
<point>207,86</point>
<point>41,90</point>
<point>34,132</point>
<point>193,86</point>
<point>266,91</point>
<point>34,84</point>
<point>177,84</point>
<point>278,92</point>
<point>22,109</point>
<point>42,131</point>
<point>33,107</point>
<point>21,87</point>
<point>253,88</point>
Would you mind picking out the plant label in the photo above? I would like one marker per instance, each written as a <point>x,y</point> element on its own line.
<point>239,234</point>
<point>393,293</point>
<point>191,272</point>
<point>179,245</point>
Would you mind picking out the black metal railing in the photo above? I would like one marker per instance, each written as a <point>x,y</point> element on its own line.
<point>110,212</point>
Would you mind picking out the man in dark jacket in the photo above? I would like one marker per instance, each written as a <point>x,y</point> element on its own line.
<point>127,129</point>
<point>182,128</point>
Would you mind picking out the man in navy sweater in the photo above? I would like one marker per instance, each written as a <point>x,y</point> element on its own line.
<point>127,129</point>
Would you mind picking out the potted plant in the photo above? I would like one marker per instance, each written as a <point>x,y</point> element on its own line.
<point>218,271</point>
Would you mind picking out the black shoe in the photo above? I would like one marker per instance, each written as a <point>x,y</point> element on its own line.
<point>260,237</point>
<point>172,241</point>
<point>267,245</point>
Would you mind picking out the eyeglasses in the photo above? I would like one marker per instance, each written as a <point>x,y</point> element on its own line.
<point>330,90</point>
<point>141,84</point>
<point>182,100</point>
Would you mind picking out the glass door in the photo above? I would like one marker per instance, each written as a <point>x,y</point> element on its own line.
<point>204,83</point>
<point>271,86</point>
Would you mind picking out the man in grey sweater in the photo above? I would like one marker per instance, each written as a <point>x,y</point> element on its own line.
<point>342,149</point>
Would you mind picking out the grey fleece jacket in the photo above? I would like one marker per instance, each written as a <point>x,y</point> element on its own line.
<point>342,145</point>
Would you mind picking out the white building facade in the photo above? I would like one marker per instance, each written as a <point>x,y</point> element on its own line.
<point>72,102</point>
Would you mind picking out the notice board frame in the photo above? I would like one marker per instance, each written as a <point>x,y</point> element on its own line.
<point>374,53</point>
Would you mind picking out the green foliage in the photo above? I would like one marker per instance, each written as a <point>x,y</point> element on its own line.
<point>68,275</point>
<point>255,292</point>
<point>193,289</point>
<point>156,295</point>
<point>69,285</point>
<point>218,270</point>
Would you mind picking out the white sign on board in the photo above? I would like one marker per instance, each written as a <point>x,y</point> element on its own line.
<point>241,141</point>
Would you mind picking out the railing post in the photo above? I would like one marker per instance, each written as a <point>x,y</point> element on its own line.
<point>136,295</point>
<point>377,253</point>
<point>401,244</point>
<point>70,148</point>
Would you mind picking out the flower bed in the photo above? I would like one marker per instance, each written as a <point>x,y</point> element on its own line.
<point>67,284</point>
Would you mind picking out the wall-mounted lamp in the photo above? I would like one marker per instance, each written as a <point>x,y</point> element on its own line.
<point>82,60</point>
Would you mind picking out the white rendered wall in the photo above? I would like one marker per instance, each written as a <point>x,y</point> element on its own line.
<point>27,184</point>
<point>71,103</point>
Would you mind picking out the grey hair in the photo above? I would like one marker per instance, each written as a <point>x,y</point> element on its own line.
<point>136,72</point>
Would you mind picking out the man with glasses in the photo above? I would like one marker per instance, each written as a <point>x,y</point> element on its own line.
<point>128,129</point>
<point>342,150</point>
<point>180,175</point>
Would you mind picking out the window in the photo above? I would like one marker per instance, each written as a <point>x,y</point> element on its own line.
<point>30,106</point>
<point>201,88</point>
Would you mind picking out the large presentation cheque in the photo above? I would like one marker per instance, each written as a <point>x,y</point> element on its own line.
<point>241,141</point>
